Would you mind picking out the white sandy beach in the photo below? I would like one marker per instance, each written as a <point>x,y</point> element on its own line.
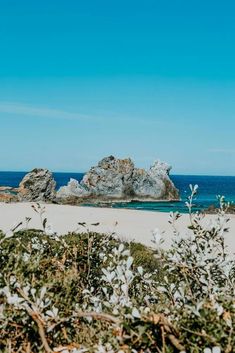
<point>127,224</point>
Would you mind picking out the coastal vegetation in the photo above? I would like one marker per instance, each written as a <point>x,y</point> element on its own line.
<point>90,292</point>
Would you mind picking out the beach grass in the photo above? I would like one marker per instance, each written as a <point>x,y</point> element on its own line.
<point>92,292</point>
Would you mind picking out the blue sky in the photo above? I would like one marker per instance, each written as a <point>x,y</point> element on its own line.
<point>150,79</point>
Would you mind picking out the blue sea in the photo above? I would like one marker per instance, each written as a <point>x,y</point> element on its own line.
<point>209,188</point>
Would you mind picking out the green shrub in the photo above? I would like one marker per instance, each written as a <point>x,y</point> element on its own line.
<point>86,292</point>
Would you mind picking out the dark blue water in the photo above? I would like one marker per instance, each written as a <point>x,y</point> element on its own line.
<point>14,178</point>
<point>209,188</point>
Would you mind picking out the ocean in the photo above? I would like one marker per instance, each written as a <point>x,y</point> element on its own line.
<point>209,188</point>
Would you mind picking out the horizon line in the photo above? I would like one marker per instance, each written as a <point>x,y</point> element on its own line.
<point>84,172</point>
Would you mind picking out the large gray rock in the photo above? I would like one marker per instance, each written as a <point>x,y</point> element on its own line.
<point>118,179</point>
<point>109,178</point>
<point>38,185</point>
<point>155,183</point>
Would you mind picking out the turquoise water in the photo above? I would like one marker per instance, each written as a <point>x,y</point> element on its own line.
<point>209,188</point>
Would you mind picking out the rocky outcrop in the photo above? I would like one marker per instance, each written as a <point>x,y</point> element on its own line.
<point>118,179</point>
<point>8,197</point>
<point>73,189</point>
<point>8,194</point>
<point>38,185</point>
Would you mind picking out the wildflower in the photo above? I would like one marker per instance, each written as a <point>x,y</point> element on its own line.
<point>157,236</point>
<point>53,312</point>
<point>140,270</point>
<point>135,313</point>
<point>11,299</point>
<point>25,257</point>
<point>49,230</point>
<point>213,350</point>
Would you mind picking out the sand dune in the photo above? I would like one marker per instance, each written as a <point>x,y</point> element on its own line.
<point>127,224</point>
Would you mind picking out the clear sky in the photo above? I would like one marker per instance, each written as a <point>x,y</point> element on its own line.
<point>82,79</point>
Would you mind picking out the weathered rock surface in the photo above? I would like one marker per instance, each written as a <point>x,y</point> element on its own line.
<point>8,197</point>
<point>73,189</point>
<point>118,179</point>
<point>38,185</point>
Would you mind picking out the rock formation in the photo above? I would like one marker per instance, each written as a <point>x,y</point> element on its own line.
<point>118,179</point>
<point>8,194</point>
<point>38,185</point>
<point>73,189</point>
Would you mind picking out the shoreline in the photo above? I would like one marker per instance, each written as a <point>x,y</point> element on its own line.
<point>128,224</point>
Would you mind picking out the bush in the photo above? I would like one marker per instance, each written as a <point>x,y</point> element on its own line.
<point>86,292</point>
